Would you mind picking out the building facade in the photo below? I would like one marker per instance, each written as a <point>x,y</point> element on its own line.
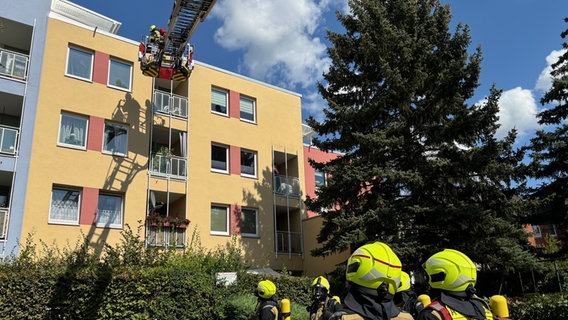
<point>23,27</point>
<point>90,146</point>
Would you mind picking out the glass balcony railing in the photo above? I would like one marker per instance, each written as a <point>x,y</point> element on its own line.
<point>172,166</point>
<point>13,64</point>
<point>288,242</point>
<point>286,186</point>
<point>171,104</point>
<point>8,139</point>
<point>4,218</point>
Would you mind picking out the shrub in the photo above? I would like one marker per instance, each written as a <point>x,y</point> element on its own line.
<point>539,307</point>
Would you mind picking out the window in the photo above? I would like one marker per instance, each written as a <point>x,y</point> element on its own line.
<point>73,131</point>
<point>248,163</point>
<point>220,158</point>
<point>119,74</point>
<point>220,220</point>
<point>552,230</point>
<point>249,222</point>
<point>320,178</point>
<point>115,139</point>
<point>109,211</point>
<point>79,64</point>
<point>248,109</point>
<point>536,232</point>
<point>219,101</point>
<point>65,204</point>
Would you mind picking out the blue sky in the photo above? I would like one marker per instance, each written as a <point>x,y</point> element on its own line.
<point>282,42</point>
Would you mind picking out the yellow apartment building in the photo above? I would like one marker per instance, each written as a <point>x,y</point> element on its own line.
<point>113,148</point>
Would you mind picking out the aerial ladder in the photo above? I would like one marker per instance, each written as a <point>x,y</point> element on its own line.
<point>170,56</point>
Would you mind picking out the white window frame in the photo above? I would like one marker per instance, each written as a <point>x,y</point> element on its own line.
<point>227,160</point>
<point>226,94</point>
<point>113,224</point>
<point>121,62</point>
<point>114,152</point>
<point>59,133</point>
<point>216,232</point>
<point>67,73</point>
<point>316,171</point>
<point>65,221</point>
<point>536,231</point>
<point>253,103</point>
<point>255,211</point>
<point>255,161</point>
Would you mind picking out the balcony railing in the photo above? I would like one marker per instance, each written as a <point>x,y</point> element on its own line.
<point>170,104</point>
<point>286,186</point>
<point>13,64</point>
<point>4,219</point>
<point>288,242</point>
<point>8,139</point>
<point>165,237</point>
<point>172,166</point>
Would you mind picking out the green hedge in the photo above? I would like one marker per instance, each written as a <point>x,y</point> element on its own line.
<point>130,282</point>
<point>539,307</point>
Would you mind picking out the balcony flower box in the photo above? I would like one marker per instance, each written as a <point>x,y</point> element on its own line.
<point>156,220</point>
<point>179,222</point>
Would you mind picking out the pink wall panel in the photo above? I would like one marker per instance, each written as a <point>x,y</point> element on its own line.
<point>96,130</point>
<point>89,204</point>
<point>235,160</point>
<point>234,104</point>
<point>235,219</point>
<point>100,69</point>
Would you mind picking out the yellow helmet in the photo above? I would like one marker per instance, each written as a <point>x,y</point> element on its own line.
<point>404,282</point>
<point>450,270</point>
<point>373,264</point>
<point>152,27</point>
<point>320,288</point>
<point>266,289</point>
<point>321,282</point>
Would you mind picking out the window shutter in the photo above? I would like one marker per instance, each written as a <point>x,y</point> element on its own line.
<point>219,98</point>
<point>247,106</point>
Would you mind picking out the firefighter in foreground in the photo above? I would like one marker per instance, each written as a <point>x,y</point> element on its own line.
<point>452,277</point>
<point>267,305</point>
<point>373,274</point>
<point>323,305</point>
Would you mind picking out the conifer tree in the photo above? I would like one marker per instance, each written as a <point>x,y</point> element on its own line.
<point>419,168</point>
<point>550,148</point>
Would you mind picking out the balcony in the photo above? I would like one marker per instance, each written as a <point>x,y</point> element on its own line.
<point>171,104</point>
<point>161,236</point>
<point>288,242</point>
<point>4,219</point>
<point>286,186</point>
<point>8,139</point>
<point>169,166</point>
<point>13,64</point>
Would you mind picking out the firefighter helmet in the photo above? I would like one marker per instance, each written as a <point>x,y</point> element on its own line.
<point>404,282</point>
<point>320,288</point>
<point>450,270</point>
<point>321,282</point>
<point>266,289</point>
<point>373,265</point>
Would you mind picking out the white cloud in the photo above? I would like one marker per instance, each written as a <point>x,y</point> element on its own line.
<point>544,81</point>
<point>279,38</point>
<point>313,105</point>
<point>517,109</point>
